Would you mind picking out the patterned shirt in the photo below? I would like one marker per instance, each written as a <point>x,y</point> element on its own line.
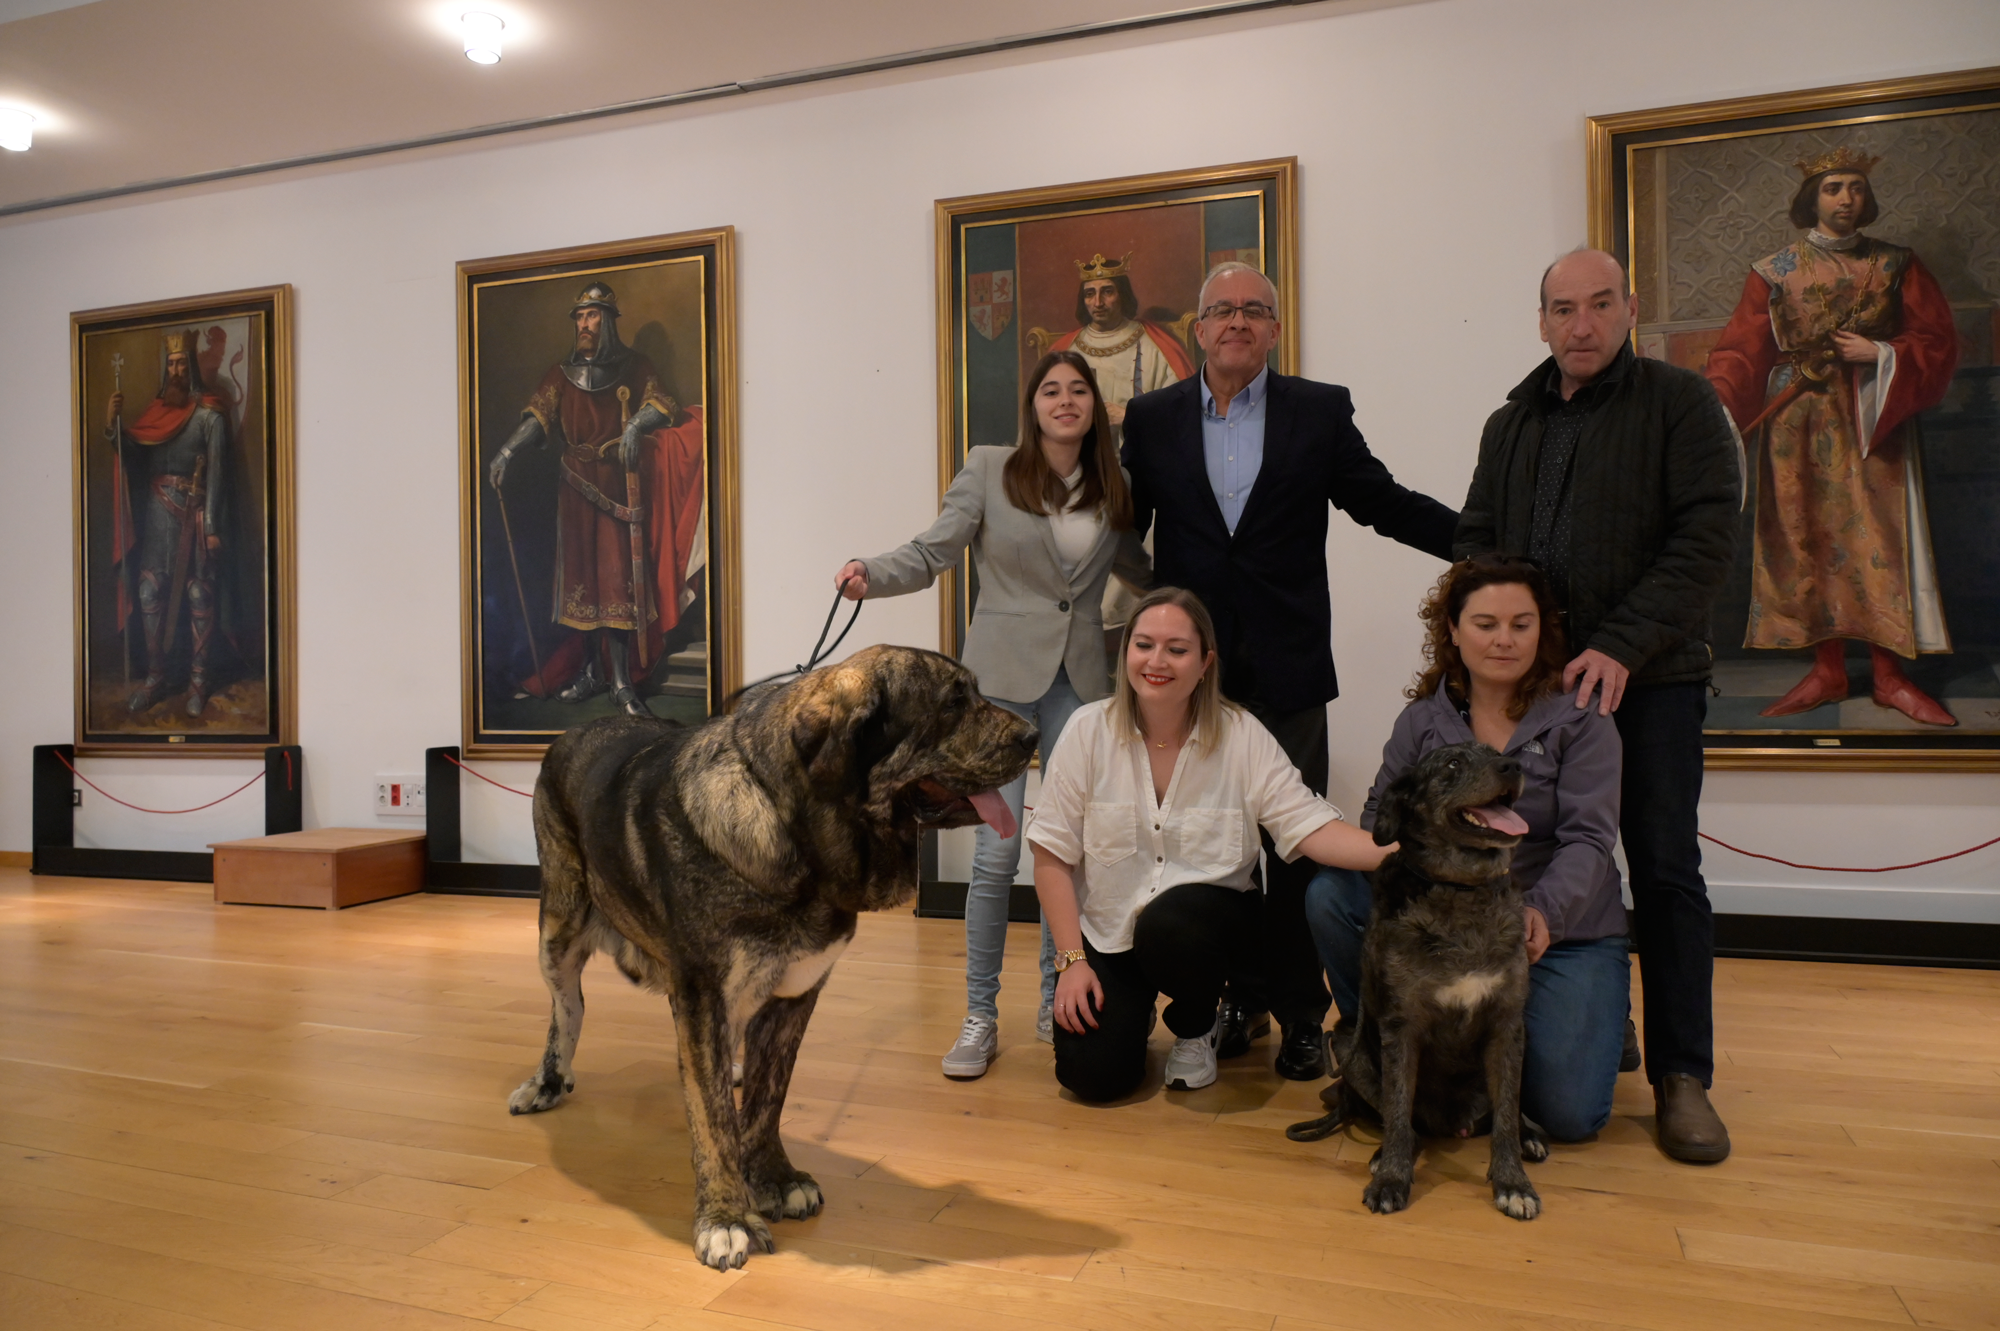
<point>1562,428</point>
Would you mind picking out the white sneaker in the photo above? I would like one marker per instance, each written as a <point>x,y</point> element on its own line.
<point>1045,1024</point>
<point>978,1043</point>
<point>1191,1063</point>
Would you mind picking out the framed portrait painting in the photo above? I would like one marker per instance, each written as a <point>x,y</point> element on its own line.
<point>184,575</point>
<point>1830,261</point>
<point>1108,268</point>
<point>598,487</point>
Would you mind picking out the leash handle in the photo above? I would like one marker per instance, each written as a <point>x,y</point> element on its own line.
<point>821,651</point>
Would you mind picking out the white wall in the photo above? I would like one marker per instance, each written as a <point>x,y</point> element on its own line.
<point>1441,151</point>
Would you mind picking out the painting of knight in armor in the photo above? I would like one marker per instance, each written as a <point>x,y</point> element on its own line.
<point>1109,268</point>
<point>1831,263</point>
<point>598,487</point>
<point>184,586</point>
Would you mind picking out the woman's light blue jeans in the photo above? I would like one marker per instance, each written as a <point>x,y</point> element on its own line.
<point>995,860</point>
<point>1579,995</point>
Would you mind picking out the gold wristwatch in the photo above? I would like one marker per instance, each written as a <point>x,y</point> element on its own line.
<point>1064,960</point>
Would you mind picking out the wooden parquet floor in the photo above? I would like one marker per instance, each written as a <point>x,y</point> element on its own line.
<point>254,1117</point>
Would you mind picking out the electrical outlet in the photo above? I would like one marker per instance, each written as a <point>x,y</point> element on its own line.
<point>75,798</point>
<point>399,796</point>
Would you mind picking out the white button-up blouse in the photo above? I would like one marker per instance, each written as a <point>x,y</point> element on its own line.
<point>1097,813</point>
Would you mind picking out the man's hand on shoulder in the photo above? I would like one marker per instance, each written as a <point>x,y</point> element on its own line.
<point>1600,672</point>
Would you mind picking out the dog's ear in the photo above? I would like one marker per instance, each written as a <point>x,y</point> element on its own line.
<point>1393,808</point>
<point>828,728</point>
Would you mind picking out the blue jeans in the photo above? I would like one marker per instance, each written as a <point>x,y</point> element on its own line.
<point>1579,995</point>
<point>995,859</point>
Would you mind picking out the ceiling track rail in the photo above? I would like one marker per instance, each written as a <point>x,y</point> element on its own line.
<point>821,74</point>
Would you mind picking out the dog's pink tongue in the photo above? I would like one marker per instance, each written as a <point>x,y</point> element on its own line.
<point>993,811</point>
<point>1501,819</point>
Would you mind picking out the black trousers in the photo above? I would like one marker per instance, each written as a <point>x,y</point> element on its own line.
<point>1672,923</point>
<point>1283,974</point>
<point>1183,944</point>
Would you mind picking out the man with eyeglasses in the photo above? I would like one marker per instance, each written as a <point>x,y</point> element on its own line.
<point>1236,465</point>
<point>1618,475</point>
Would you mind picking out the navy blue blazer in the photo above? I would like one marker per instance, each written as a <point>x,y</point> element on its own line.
<point>1266,586</point>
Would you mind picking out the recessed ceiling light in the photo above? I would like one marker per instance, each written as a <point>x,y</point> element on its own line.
<point>17,129</point>
<point>482,36</point>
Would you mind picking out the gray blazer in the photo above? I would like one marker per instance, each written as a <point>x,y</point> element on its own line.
<point>1030,618</point>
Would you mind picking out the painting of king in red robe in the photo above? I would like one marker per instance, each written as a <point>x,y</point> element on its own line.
<point>592,458</point>
<point>1837,344</point>
<point>1830,261</point>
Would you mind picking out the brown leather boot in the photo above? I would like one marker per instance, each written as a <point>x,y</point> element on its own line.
<point>1689,1127</point>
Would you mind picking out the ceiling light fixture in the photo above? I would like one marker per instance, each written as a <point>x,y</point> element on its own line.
<point>17,129</point>
<point>482,36</point>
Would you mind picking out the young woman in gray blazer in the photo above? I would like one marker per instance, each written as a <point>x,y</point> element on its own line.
<point>1049,521</point>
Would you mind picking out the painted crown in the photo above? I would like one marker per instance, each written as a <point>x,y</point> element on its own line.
<point>180,344</point>
<point>1096,268</point>
<point>1840,159</point>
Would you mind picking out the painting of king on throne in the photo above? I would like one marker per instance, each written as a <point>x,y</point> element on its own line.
<point>183,518</point>
<point>1111,269</point>
<point>1832,266</point>
<point>599,561</point>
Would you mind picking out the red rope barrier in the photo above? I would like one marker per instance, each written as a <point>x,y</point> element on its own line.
<point>525,794</point>
<point>142,809</point>
<point>1834,868</point>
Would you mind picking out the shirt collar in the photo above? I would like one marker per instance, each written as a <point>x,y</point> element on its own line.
<point>1251,395</point>
<point>1592,393</point>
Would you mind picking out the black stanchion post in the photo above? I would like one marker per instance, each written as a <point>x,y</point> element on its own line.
<point>444,869</point>
<point>54,803</point>
<point>284,789</point>
<point>441,834</point>
<point>55,849</point>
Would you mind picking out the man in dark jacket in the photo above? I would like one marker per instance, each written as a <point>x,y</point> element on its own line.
<point>1237,465</point>
<point>1620,477</point>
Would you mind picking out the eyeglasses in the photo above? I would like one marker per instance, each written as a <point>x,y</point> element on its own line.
<point>1256,312</point>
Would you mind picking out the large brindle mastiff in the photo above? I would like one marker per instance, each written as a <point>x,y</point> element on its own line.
<point>724,865</point>
<point>1444,981</point>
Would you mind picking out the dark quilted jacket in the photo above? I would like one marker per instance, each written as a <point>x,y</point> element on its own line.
<point>1655,492</point>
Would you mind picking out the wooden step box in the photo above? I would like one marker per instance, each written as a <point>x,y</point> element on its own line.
<point>328,868</point>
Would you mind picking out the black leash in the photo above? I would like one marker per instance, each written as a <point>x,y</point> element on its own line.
<point>822,649</point>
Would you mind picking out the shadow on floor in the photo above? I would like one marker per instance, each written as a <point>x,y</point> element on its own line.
<point>623,1136</point>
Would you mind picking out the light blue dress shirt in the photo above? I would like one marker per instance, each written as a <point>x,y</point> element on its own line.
<point>1233,445</point>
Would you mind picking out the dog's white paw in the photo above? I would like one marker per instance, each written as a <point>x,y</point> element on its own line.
<point>1518,1200</point>
<point>1385,1196</point>
<point>726,1244</point>
<point>538,1093</point>
<point>1533,1149</point>
<point>788,1194</point>
<point>802,1198</point>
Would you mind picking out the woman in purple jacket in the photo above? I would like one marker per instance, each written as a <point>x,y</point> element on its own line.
<point>1493,673</point>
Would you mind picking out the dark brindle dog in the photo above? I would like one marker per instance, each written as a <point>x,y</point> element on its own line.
<point>1444,980</point>
<point>724,866</point>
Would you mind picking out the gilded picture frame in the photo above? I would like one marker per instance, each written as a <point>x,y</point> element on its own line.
<point>184,540</point>
<point>1854,346</point>
<point>1011,270</point>
<point>600,570</point>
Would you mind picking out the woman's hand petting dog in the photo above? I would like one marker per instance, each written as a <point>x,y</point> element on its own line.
<point>1538,933</point>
